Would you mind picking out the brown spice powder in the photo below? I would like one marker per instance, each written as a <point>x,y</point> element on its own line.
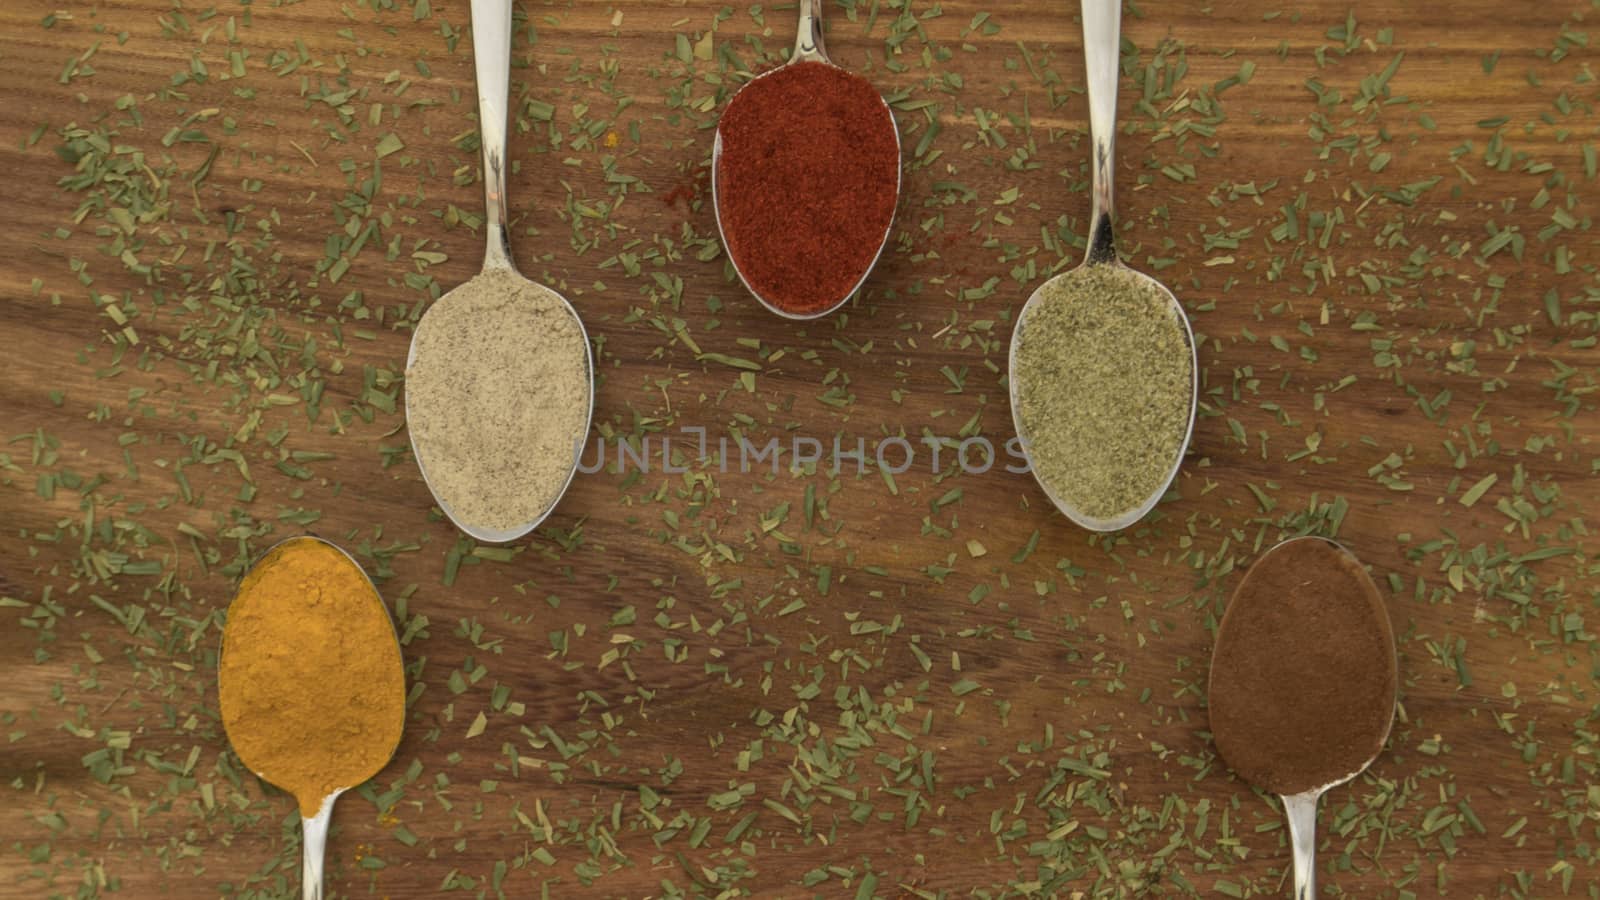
<point>1303,676</point>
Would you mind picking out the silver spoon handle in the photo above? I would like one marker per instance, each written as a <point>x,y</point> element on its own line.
<point>1301,810</point>
<point>808,39</point>
<point>1102,50</point>
<point>491,61</point>
<point>314,844</point>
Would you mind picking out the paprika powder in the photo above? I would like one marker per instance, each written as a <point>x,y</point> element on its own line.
<point>806,181</point>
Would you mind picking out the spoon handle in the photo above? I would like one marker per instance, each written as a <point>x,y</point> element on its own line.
<point>1102,50</point>
<point>314,842</point>
<point>491,61</point>
<point>808,39</point>
<point>1301,809</point>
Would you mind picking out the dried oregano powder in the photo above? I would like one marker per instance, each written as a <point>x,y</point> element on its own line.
<point>497,399</point>
<point>1103,374</point>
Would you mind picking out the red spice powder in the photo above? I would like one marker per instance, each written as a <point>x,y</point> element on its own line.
<point>691,192</point>
<point>806,183</point>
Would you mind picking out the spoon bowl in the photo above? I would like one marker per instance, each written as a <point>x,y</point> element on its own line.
<point>491,56</point>
<point>1078,516</point>
<point>476,531</point>
<point>314,827</point>
<point>808,49</point>
<point>1102,27</point>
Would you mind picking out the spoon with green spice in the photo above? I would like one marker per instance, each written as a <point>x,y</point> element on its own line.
<point>499,377</point>
<point>1103,374</point>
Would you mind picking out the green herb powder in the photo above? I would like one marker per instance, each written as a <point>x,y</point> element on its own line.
<point>1102,382</point>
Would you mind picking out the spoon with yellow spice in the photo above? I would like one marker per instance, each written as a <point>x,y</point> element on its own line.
<point>310,682</point>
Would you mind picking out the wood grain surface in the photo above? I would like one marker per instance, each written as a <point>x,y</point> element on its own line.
<point>719,682</point>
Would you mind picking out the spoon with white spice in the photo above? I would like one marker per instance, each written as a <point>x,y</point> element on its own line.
<point>1102,36</point>
<point>497,438</point>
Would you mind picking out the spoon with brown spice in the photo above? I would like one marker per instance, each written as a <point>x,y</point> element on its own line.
<point>1103,365</point>
<point>1303,682</point>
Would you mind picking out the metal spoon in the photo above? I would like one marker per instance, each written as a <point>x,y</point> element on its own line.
<point>314,829</point>
<point>808,48</point>
<point>1301,811</point>
<point>491,60</point>
<point>1102,37</point>
<point>1301,808</point>
<point>314,846</point>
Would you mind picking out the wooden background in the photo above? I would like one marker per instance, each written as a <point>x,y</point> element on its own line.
<point>1000,719</point>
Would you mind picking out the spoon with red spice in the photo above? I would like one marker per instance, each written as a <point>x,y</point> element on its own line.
<point>805,177</point>
<point>1303,681</point>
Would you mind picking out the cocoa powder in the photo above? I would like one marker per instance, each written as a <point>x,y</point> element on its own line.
<point>1303,676</point>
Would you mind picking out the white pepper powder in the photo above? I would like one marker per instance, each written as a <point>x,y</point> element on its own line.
<point>497,397</point>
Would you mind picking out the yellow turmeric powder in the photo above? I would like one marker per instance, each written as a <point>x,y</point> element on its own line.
<point>310,680</point>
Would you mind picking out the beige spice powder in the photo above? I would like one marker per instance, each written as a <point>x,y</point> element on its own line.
<point>497,399</point>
